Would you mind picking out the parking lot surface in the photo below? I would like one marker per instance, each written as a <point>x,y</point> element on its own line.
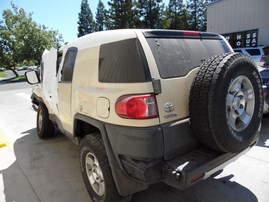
<point>33,170</point>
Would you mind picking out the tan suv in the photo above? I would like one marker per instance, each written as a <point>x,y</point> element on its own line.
<point>149,106</point>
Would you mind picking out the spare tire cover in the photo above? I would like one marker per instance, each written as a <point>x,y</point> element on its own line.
<point>226,102</point>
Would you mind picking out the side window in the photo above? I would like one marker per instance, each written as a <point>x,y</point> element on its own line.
<point>123,62</point>
<point>69,63</point>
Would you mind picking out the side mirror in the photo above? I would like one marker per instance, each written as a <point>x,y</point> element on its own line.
<point>32,77</point>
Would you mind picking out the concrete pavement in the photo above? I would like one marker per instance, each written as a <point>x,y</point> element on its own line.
<point>33,170</point>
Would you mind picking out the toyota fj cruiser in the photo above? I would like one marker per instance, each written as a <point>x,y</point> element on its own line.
<point>149,106</point>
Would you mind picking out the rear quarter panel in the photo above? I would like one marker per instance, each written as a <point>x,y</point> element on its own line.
<point>87,89</point>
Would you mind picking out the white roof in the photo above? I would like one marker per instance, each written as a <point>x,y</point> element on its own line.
<point>102,37</point>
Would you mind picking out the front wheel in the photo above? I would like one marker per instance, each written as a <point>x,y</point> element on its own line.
<point>96,171</point>
<point>44,125</point>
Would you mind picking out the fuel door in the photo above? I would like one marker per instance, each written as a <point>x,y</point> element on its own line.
<point>103,107</point>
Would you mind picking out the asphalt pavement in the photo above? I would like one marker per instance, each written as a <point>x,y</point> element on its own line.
<point>33,170</point>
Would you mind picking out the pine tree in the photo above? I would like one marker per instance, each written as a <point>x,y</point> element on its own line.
<point>86,22</point>
<point>175,14</point>
<point>185,17</point>
<point>151,13</point>
<point>197,11</point>
<point>204,16</point>
<point>100,16</point>
<point>166,22</point>
<point>108,22</point>
<point>120,14</point>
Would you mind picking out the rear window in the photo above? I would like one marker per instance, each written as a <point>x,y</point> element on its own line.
<point>123,62</point>
<point>254,52</point>
<point>176,57</point>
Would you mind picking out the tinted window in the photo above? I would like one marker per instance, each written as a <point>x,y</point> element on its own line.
<point>123,62</point>
<point>68,66</point>
<point>176,57</point>
<point>253,51</point>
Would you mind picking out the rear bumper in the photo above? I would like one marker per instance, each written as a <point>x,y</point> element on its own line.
<point>221,166</point>
<point>144,156</point>
<point>182,174</point>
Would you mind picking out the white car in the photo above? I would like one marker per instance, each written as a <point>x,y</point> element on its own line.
<point>256,53</point>
<point>148,106</point>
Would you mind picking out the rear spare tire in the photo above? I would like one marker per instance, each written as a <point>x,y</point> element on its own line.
<point>226,102</point>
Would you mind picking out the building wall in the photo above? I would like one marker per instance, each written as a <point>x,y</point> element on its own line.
<point>228,16</point>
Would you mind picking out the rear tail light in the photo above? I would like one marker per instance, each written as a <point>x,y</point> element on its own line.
<point>137,106</point>
<point>262,58</point>
<point>191,33</point>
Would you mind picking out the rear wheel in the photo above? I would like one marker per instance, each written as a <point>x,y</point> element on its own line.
<point>96,171</point>
<point>45,128</point>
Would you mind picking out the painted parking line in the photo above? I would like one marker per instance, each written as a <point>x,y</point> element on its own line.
<point>3,140</point>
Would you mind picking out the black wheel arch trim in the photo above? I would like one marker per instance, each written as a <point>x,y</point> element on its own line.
<point>35,96</point>
<point>124,183</point>
<point>102,129</point>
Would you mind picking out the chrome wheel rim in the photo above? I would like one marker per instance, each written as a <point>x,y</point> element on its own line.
<point>240,103</point>
<point>95,174</point>
<point>40,119</point>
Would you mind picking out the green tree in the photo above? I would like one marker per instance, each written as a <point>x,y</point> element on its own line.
<point>120,14</point>
<point>108,21</point>
<point>197,12</point>
<point>22,41</point>
<point>176,14</point>
<point>185,19</point>
<point>150,13</point>
<point>86,23</point>
<point>204,15</point>
<point>100,16</point>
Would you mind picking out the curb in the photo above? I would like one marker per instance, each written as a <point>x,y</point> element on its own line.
<point>3,140</point>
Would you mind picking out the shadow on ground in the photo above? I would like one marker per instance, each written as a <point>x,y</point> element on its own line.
<point>44,170</point>
<point>48,171</point>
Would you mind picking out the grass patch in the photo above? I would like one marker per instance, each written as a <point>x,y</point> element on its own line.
<point>3,74</point>
<point>19,78</point>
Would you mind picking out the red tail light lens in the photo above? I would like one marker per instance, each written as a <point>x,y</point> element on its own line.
<point>137,107</point>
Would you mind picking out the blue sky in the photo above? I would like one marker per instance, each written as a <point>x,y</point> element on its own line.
<point>61,15</point>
